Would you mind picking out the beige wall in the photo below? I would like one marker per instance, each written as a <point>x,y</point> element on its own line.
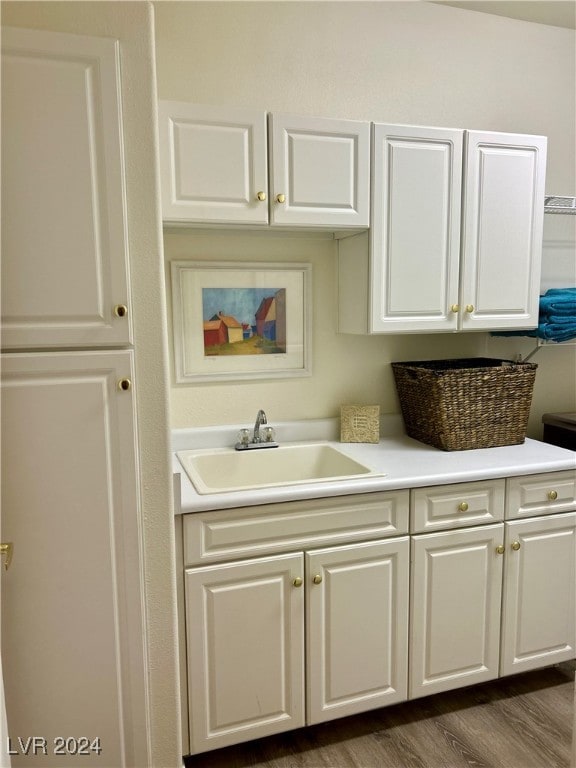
<point>131,23</point>
<point>403,62</point>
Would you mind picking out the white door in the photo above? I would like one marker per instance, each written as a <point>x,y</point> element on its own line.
<point>502,230</point>
<point>245,635</point>
<point>455,609</point>
<point>72,623</point>
<point>64,251</point>
<point>357,627</point>
<point>415,235</point>
<point>319,171</point>
<point>538,622</point>
<point>213,164</point>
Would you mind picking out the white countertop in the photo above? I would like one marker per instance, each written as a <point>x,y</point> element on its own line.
<point>406,463</point>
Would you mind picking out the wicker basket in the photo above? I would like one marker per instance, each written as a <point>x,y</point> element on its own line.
<point>457,405</point>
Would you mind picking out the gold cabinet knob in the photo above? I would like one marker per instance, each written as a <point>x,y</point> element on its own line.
<point>455,308</point>
<point>124,385</point>
<point>469,308</point>
<point>552,495</point>
<point>7,549</point>
<point>317,579</point>
<point>261,196</point>
<point>515,546</point>
<point>280,198</point>
<point>500,549</point>
<point>297,581</point>
<point>120,310</point>
<point>463,506</point>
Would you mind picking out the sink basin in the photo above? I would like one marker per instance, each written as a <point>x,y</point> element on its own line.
<point>222,470</point>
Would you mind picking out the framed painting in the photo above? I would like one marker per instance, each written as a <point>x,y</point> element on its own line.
<point>237,320</point>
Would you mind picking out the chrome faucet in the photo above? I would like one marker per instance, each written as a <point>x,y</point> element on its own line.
<point>246,444</point>
<point>260,419</point>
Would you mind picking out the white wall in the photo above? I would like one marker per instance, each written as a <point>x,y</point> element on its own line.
<point>403,62</point>
<point>131,23</point>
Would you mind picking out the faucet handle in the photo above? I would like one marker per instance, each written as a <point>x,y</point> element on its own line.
<point>244,437</point>
<point>269,434</point>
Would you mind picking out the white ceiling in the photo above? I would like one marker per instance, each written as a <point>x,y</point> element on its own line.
<point>557,13</point>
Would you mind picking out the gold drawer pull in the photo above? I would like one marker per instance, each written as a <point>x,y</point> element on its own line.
<point>317,579</point>
<point>515,546</point>
<point>552,495</point>
<point>261,196</point>
<point>500,549</point>
<point>280,198</point>
<point>469,308</point>
<point>120,310</point>
<point>297,582</point>
<point>124,385</point>
<point>455,308</point>
<point>463,506</point>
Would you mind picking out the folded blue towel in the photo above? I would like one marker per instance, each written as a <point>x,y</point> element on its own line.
<point>557,331</point>
<point>558,301</point>
<point>557,317</point>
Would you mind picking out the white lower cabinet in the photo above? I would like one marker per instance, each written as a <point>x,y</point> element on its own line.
<point>538,623</point>
<point>245,634</point>
<point>455,609</point>
<point>246,626</point>
<point>334,609</point>
<point>357,628</point>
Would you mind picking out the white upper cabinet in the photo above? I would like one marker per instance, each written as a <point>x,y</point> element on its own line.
<point>214,165</point>
<point>415,237</point>
<point>502,230</point>
<point>442,255</point>
<point>320,171</point>
<point>64,248</point>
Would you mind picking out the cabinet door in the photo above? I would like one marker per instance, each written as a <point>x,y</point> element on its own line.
<point>357,614</point>
<point>502,230</point>
<point>213,163</point>
<point>72,643</point>
<point>455,610</point>
<point>64,251</point>
<point>320,171</point>
<point>245,634</point>
<point>538,622</point>
<point>415,235</point>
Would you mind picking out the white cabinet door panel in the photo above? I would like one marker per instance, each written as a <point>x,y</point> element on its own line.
<point>72,636</point>
<point>64,250</point>
<point>213,163</point>
<point>415,236</point>
<point>502,229</point>
<point>245,630</point>
<point>357,615</point>
<point>538,622</point>
<point>322,167</point>
<point>455,610</point>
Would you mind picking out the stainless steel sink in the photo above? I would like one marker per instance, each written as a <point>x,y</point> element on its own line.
<point>221,470</point>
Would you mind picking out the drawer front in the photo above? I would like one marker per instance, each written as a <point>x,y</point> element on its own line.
<point>443,507</point>
<point>543,494</point>
<point>247,531</point>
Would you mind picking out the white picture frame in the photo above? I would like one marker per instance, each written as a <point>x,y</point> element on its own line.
<point>241,320</point>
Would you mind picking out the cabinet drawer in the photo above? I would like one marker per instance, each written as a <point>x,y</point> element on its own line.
<point>543,494</point>
<point>460,505</point>
<point>233,533</point>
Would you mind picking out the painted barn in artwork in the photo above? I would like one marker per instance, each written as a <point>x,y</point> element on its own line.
<point>222,329</point>
<point>271,318</point>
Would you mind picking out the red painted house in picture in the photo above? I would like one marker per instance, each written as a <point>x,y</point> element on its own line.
<point>244,321</point>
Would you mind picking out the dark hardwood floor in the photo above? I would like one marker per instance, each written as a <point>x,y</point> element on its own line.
<point>523,721</point>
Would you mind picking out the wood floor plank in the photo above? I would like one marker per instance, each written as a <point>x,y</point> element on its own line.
<point>523,721</point>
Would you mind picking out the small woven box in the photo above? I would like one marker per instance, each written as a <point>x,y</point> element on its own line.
<point>359,423</point>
